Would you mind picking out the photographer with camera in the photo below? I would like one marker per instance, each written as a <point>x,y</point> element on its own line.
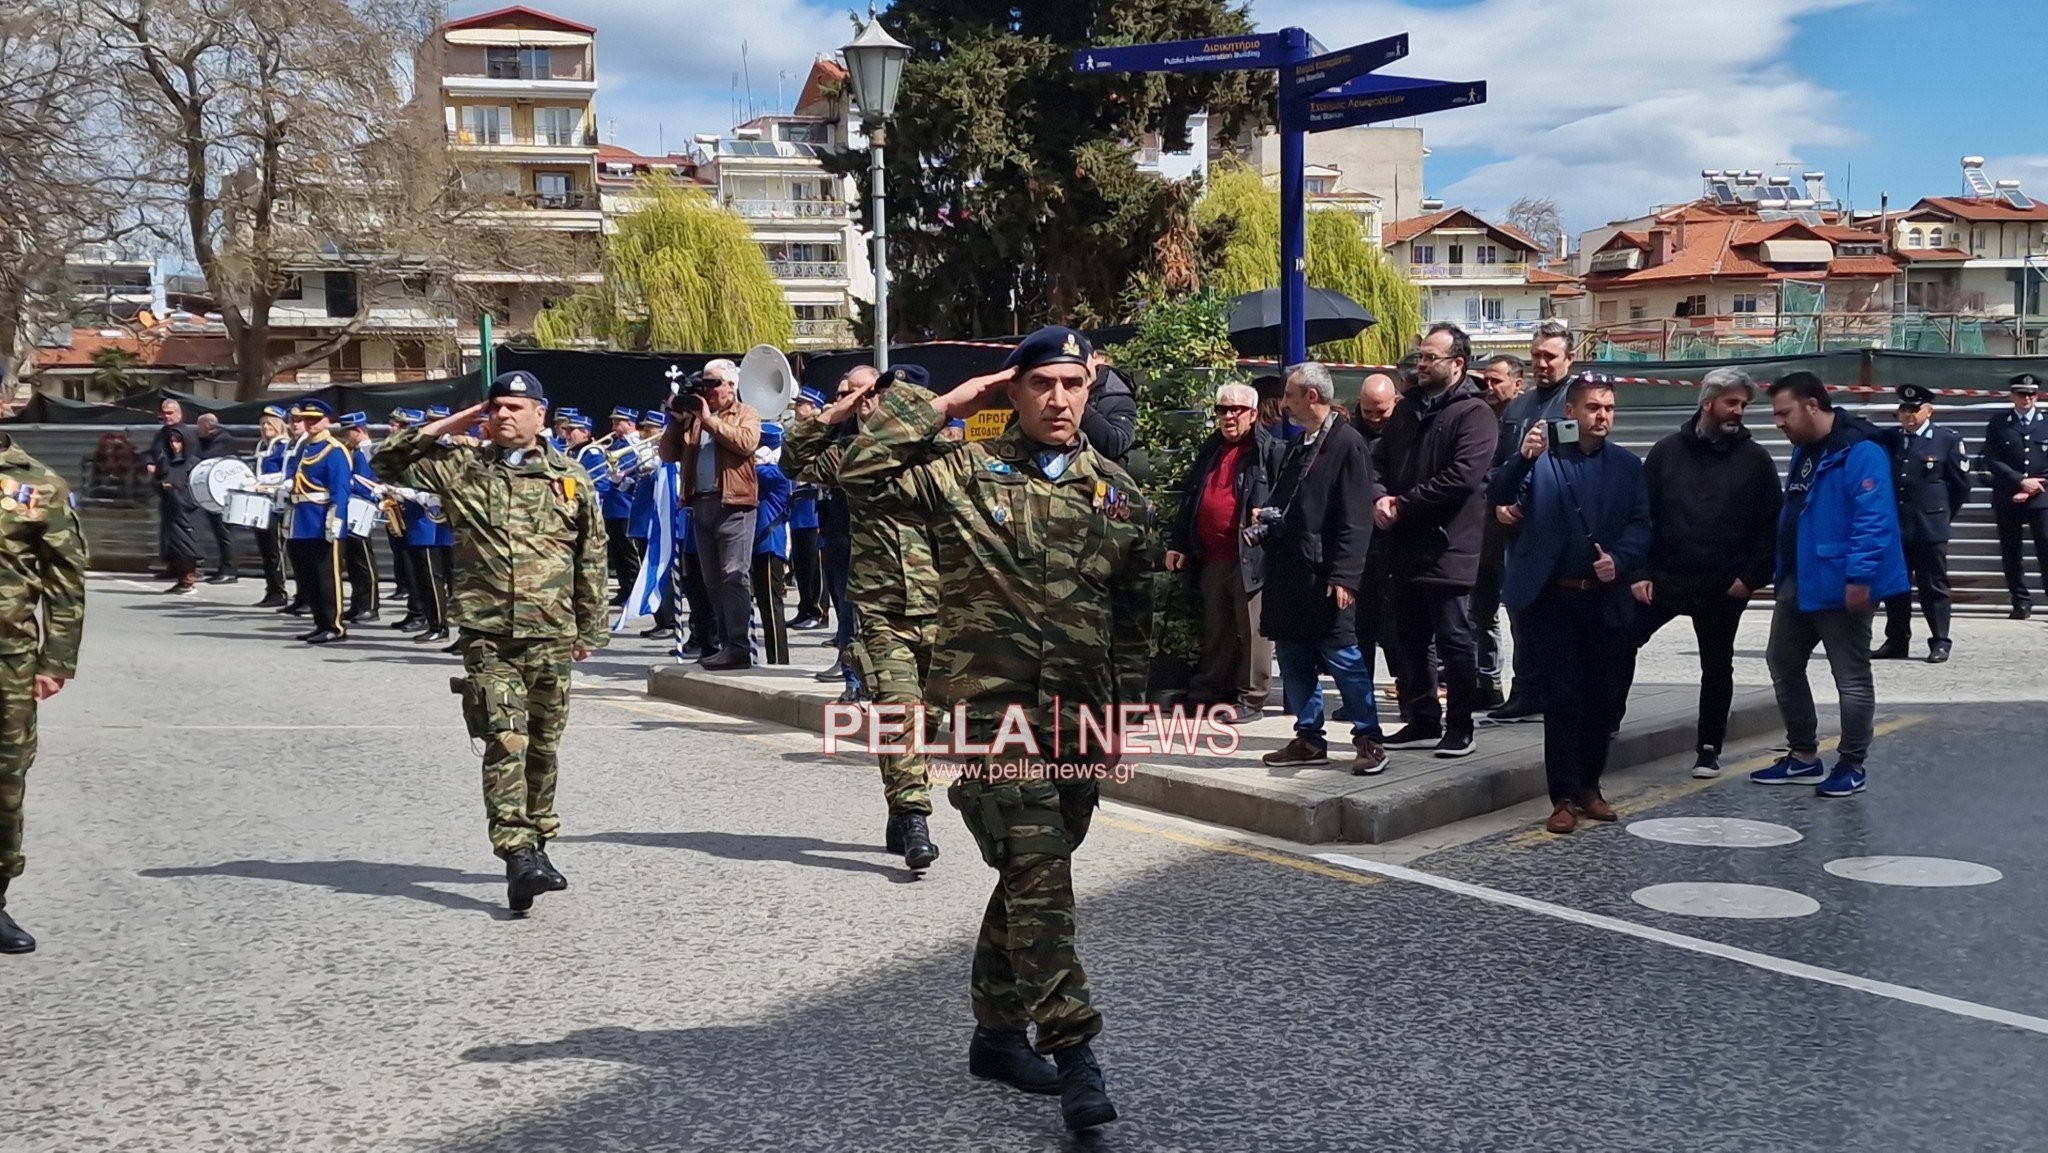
<point>1315,535</point>
<point>712,436</point>
<point>1584,512</point>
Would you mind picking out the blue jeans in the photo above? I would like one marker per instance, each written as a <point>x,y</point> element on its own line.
<point>1302,662</point>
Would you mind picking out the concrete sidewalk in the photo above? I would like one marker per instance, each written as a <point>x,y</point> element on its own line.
<point>1322,803</point>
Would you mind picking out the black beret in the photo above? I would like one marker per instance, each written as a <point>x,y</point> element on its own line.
<point>910,374</point>
<point>1052,344</point>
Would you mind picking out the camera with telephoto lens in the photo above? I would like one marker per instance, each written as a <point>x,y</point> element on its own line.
<point>1263,520</point>
<point>1561,432</point>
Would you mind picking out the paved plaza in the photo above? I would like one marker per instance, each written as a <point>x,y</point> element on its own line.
<point>270,921</point>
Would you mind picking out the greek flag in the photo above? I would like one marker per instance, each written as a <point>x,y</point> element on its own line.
<point>655,567</point>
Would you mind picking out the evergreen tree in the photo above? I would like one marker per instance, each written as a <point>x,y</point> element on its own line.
<point>1014,193</point>
<point>682,273</point>
<point>1239,219</point>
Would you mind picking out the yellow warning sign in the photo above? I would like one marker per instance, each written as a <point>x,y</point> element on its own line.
<point>988,424</point>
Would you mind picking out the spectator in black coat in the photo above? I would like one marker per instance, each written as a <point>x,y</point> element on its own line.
<point>157,462</point>
<point>1438,449</point>
<point>1714,502</point>
<point>1111,419</point>
<point>1233,474</point>
<point>215,442</point>
<point>1315,562</point>
<point>175,455</point>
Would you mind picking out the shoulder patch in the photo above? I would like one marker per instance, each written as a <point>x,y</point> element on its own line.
<point>1000,467</point>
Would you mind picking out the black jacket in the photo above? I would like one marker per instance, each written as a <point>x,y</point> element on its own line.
<point>1713,513</point>
<point>1438,455</point>
<point>1930,480</point>
<point>220,444</point>
<point>1326,489</point>
<point>1111,418</point>
<point>2013,452</point>
<point>1257,470</point>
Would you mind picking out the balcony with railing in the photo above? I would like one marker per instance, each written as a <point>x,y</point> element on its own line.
<point>1518,271</point>
<point>561,201</point>
<point>573,138</point>
<point>835,332</point>
<point>787,209</point>
<point>808,269</point>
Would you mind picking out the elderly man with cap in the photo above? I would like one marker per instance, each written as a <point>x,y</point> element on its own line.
<point>529,599</point>
<point>1931,482</point>
<point>1041,545</point>
<point>712,438</point>
<point>2016,455</point>
<point>892,576</point>
<point>273,446</point>
<point>1233,474</point>
<point>618,501</point>
<point>322,476</point>
<point>358,559</point>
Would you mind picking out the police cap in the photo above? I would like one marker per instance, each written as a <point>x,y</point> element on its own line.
<point>1914,396</point>
<point>2026,383</point>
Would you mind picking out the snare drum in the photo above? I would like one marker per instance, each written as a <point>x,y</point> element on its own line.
<point>362,516</point>
<point>249,510</point>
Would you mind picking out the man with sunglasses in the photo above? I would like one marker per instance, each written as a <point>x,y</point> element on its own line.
<point>1233,474</point>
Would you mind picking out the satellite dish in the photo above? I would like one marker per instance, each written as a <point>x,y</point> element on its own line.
<point>766,383</point>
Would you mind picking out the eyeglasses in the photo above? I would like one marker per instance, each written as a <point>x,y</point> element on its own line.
<point>1231,409</point>
<point>1430,358</point>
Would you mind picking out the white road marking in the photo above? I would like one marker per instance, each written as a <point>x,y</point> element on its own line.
<point>1715,832</point>
<point>1914,872</point>
<point>1764,961</point>
<point>1725,899</point>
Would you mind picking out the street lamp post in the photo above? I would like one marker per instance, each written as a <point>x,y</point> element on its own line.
<point>874,62</point>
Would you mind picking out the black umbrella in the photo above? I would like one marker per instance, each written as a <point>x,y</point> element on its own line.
<point>1255,320</point>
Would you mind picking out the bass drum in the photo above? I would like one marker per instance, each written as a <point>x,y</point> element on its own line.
<point>213,481</point>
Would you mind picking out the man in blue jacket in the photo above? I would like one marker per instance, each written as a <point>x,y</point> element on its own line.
<point>1838,558</point>
<point>1584,512</point>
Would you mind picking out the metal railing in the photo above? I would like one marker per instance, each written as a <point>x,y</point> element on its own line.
<point>837,330</point>
<point>561,201</point>
<point>787,209</point>
<point>573,139</point>
<point>1519,271</point>
<point>808,269</point>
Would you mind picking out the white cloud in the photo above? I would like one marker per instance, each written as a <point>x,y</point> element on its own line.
<point>1607,106</point>
<point>665,68</point>
<point>2030,171</point>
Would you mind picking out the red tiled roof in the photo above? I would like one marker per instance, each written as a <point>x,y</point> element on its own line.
<point>152,350</point>
<point>824,71</point>
<point>1546,276</point>
<point>1726,249</point>
<point>1397,231</point>
<point>1879,266</point>
<point>499,18</point>
<point>1987,209</point>
<point>1920,254</point>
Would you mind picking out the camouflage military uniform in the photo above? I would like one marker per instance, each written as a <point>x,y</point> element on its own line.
<point>529,585</point>
<point>42,565</point>
<point>1045,606</point>
<point>896,588</point>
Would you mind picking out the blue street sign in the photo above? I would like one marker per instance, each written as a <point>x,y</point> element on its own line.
<point>1313,75</point>
<point>1374,99</point>
<point>1217,54</point>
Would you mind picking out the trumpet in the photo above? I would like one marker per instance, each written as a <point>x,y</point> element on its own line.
<point>644,454</point>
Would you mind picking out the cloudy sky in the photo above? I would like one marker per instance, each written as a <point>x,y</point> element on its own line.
<point>1606,105</point>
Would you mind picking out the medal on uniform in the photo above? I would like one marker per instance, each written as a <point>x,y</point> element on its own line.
<point>1000,515</point>
<point>9,504</point>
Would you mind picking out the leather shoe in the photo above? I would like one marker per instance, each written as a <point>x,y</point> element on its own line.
<point>271,600</point>
<point>431,636</point>
<point>2020,612</point>
<point>1516,709</point>
<point>1591,804</point>
<point>1084,1100</point>
<point>1891,650</point>
<point>523,879</point>
<point>806,623</point>
<point>556,881</point>
<point>892,835</point>
<point>365,616</point>
<point>294,610</point>
<point>728,660</point>
<point>308,635</point>
<point>409,622</point>
<point>1562,819</point>
<point>14,938</point>
<point>658,634</point>
<point>326,637</point>
<point>1005,1055</point>
<point>1937,652</point>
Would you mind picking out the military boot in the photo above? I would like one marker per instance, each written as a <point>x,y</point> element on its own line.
<point>1005,1055</point>
<point>523,879</point>
<point>13,938</point>
<point>556,881</point>
<point>918,850</point>
<point>1084,1102</point>
<point>892,835</point>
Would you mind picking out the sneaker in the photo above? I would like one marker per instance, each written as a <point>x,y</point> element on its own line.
<point>1297,752</point>
<point>1790,771</point>
<point>1707,765</point>
<point>1457,742</point>
<point>1845,781</point>
<point>1488,698</point>
<point>1371,760</point>
<point>1516,709</point>
<point>1414,736</point>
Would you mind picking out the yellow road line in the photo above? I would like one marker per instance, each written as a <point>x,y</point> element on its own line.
<point>1301,864</point>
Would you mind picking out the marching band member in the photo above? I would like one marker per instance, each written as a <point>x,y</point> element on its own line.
<point>275,444</point>
<point>559,438</point>
<point>618,501</point>
<point>403,562</point>
<point>359,560</point>
<point>640,514</point>
<point>425,525</point>
<point>583,449</point>
<point>321,478</point>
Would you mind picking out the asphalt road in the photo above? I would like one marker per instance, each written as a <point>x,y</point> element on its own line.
<point>270,920</point>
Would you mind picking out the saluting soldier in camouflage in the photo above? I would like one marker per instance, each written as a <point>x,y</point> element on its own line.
<point>42,617</point>
<point>1041,547</point>
<point>529,598</point>
<point>896,585</point>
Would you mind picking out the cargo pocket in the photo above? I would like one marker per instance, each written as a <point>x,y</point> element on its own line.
<point>978,804</point>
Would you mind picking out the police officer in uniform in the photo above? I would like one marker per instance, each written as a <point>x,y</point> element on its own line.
<point>1931,484</point>
<point>1042,548</point>
<point>2016,456</point>
<point>322,476</point>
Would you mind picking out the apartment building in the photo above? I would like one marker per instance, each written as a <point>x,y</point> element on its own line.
<point>1476,274</point>
<point>1975,264</point>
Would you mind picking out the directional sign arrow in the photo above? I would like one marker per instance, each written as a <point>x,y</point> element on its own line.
<point>1374,99</point>
<point>1311,76</point>
<point>1217,54</point>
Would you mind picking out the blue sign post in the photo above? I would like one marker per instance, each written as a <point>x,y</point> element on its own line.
<point>1317,93</point>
